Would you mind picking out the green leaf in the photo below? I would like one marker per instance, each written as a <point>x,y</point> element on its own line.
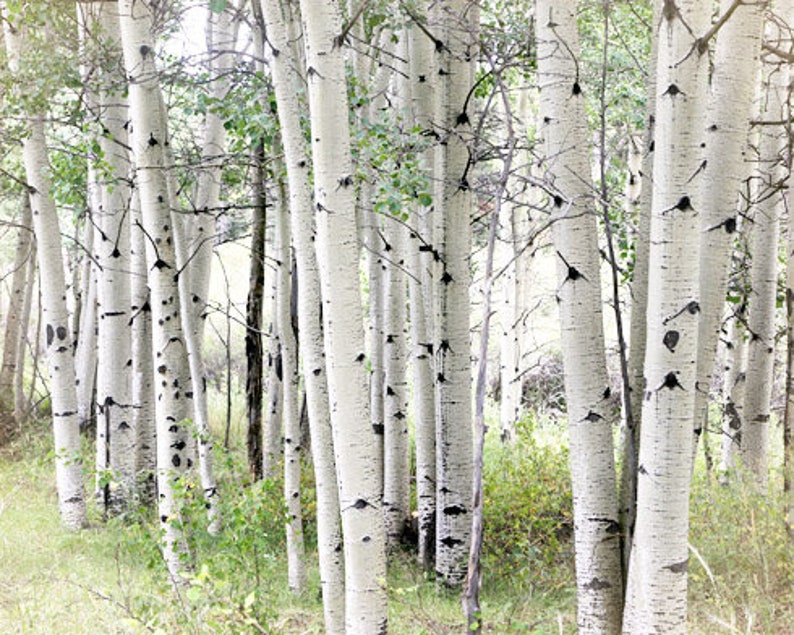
<point>217,6</point>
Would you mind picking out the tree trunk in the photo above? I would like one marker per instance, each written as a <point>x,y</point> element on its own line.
<point>590,409</point>
<point>355,442</point>
<point>767,198</point>
<point>172,381</point>
<point>730,107</point>
<point>21,403</point>
<point>656,594</point>
<point>329,534</point>
<point>456,25</point>
<point>13,331</point>
<point>420,263</point>
<point>58,345</point>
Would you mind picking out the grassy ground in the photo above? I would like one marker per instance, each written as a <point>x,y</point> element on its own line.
<point>109,578</point>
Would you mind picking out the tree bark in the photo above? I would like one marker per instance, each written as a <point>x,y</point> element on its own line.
<point>456,26</point>
<point>355,442</point>
<point>590,410</point>
<point>657,589</point>
<point>52,280</point>
<point>171,378</point>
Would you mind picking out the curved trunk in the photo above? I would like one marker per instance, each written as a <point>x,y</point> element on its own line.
<point>58,344</point>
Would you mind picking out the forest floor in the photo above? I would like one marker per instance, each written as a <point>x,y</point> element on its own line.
<point>107,580</point>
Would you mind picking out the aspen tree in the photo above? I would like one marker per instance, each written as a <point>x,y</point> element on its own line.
<point>58,345</point>
<point>171,379</point>
<point>767,204</point>
<point>456,26</point>
<point>657,587</point>
<point>355,442</point>
<point>13,331</point>
<point>284,66</point>
<point>733,85</point>
<point>422,86</point>
<point>566,152</point>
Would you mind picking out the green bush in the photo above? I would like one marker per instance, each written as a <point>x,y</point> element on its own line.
<point>527,512</point>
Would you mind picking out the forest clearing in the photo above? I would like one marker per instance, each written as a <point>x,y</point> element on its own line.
<point>397,316</point>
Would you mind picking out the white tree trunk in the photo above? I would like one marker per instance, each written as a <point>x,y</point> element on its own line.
<point>566,151</point>
<point>419,249</point>
<point>736,64</point>
<point>329,534</point>
<point>13,331</point>
<point>112,258</point>
<point>733,397</point>
<point>656,594</point>
<point>396,464</point>
<point>21,406</point>
<point>290,412</point>
<point>58,345</point>
<point>767,199</point>
<point>142,366</point>
<point>456,25</point>
<point>355,442</point>
<point>171,381</point>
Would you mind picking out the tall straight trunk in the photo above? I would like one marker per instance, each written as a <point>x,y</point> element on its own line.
<point>420,263</point>
<point>590,410</point>
<point>21,403</point>
<point>457,27</point>
<point>86,353</point>
<point>52,280</point>
<point>767,199</point>
<point>254,308</point>
<point>737,60</point>
<point>143,414</point>
<point>657,589</point>
<point>396,463</point>
<point>13,331</point>
<point>172,382</point>
<point>296,555</point>
<point>355,442</point>
<point>630,429</point>
<point>112,258</point>
<point>221,35</point>
<point>271,445</point>
<point>296,156</point>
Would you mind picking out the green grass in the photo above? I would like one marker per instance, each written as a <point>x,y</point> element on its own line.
<point>109,579</point>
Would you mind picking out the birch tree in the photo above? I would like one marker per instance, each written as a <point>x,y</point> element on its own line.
<point>456,24</point>
<point>15,319</point>
<point>169,354</point>
<point>285,68</point>
<point>46,227</point>
<point>355,442</point>
<point>656,594</point>
<point>598,568</point>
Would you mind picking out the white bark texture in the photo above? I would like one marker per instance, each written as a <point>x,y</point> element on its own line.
<point>733,397</point>
<point>86,353</point>
<point>112,258</point>
<point>142,365</point>
<point>420,264</point>
<point>169,354</point>
<point>657,589</point>
<point>767,198</point>
<point>55,318</point>
<point>355,442</point>
<point>456,24</point>
<point>13,331</point>
<point>296,553</point>
<point>590,410</point>
<point>21,405</point>
<point>736,64</point>
<point>284,69</point>
<point>396,463</point>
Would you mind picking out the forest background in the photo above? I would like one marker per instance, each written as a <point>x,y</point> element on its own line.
<point>258,282</point>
